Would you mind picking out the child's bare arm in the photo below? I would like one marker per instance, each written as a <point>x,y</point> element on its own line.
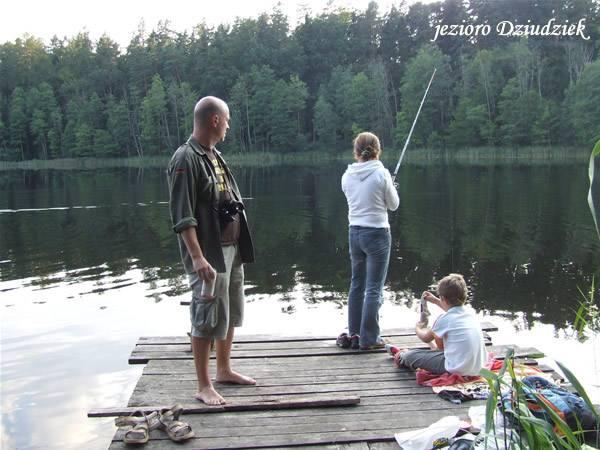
<point>439,342</point>
<point>424,333</point>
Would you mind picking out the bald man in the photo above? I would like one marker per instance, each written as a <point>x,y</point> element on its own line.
<point>213,234</point>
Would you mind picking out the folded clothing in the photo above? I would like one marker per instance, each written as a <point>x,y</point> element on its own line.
<point>425,378</point>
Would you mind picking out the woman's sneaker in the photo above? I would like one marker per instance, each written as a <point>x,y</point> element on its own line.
<point>354,342</point>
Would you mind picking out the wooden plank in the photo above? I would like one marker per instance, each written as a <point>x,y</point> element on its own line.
<point>183,344</point>
<point>258,346</point>
<point>268,376</point>
<point>384,446</point>
<point>213,425</point>
<point>499,351</point>
<point>399,341</point>
<point>143,398</point>
<point>177,351</point>
<point>368,405</point>
<point>255,338</point>
<point>268,403</point>
<point>305,424</point>
<point>288,436</point>
<point>264,380</point>
<point>333,413</point>
<point>353,446</point>
<point>319,440</point>
<point>167,386</point>
<point>143,357</point>
<point>341,361</point>
<point>286,367</point>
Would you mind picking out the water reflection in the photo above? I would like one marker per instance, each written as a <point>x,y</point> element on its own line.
<point>523,236</point>
<point>88,263</point>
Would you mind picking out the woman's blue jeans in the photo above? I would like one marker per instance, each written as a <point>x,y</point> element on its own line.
<point>370,255</point>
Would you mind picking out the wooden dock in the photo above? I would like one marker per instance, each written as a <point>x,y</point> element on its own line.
<point>309,394</point>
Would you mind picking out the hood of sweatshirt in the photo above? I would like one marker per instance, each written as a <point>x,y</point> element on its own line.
<point>362,170</point>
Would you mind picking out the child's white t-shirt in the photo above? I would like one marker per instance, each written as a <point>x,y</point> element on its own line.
<point>464,349</point>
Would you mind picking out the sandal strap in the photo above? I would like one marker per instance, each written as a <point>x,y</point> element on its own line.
<point>171,414</point>
<point>141,428</point>
<point>178,428</point>
<point>150,420</point>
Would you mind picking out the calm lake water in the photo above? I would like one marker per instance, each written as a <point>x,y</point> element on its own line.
<point>88,263</point>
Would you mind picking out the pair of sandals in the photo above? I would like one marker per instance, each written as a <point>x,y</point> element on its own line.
<point>140,424</point>
<point>346,341</point>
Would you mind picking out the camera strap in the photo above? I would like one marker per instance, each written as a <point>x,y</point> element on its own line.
<point>227,178</point>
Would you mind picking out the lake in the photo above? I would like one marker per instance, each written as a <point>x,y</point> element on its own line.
<point>88,263</point>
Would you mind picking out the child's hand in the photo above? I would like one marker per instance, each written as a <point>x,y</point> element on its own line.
<point>428,296</point>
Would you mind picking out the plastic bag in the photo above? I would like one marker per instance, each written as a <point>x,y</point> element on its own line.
<point>422,439</point>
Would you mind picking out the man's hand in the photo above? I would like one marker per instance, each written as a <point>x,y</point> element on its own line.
<point>203,268</point>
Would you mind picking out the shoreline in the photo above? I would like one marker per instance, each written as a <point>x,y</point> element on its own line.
<point>421,156</point>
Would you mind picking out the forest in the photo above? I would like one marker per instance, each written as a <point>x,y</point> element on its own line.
<point>308,86</point>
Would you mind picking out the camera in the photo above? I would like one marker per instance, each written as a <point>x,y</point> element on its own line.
<point>228,210</point>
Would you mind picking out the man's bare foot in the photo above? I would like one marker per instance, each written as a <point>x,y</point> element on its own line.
<point>233,377</point>
<point>209,396</point>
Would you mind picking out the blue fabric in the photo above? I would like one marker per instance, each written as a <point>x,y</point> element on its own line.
<point>370,255</point>
<point>578,414</point>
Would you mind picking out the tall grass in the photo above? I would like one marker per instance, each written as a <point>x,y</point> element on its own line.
<point>587,317</point>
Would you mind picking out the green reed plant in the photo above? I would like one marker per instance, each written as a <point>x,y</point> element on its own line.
<point>591,173</point>
<point>587,316</point>
<point>526,431</point>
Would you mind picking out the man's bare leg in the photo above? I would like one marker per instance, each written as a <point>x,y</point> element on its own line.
<point>224,372</point>
<point>206,392</point>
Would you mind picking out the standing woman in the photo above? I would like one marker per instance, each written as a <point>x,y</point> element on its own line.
<point>370,192</point>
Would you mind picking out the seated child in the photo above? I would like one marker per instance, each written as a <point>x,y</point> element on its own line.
<point>455,339</point>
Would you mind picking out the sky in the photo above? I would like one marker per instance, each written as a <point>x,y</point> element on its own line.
<point>120,18</point>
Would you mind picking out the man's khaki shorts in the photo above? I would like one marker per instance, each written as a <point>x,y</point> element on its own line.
<point>213,318</point>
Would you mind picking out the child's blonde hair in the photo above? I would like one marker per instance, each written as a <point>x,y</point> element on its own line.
<point>453,288</point>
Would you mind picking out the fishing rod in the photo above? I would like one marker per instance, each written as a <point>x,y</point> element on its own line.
<point>412,127</point>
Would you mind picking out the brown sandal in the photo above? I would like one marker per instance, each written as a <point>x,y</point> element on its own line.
<point>176,430</point>
<point>138,434</point>
<point>138,417</point>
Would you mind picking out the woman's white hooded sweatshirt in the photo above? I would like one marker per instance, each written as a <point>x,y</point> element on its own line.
<point>370,192</point>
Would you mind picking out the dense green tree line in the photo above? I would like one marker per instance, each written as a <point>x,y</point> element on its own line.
<point>309,87</point>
